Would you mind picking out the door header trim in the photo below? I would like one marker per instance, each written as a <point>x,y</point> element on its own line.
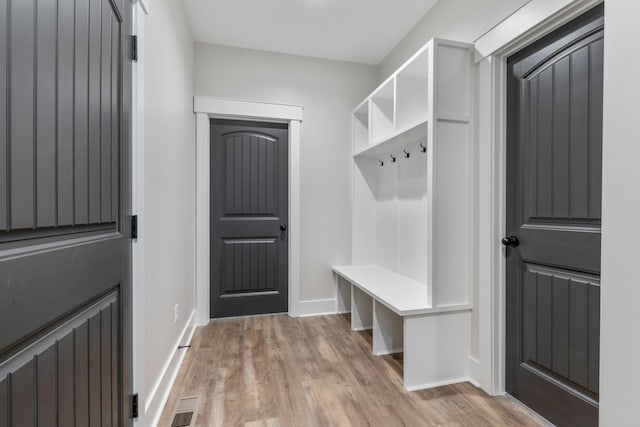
<point>234,108</point>
<point>525,25</point>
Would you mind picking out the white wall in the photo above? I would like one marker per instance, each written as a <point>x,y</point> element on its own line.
<point>620,292</point>
<point>461,20</point>
<point>166,173</point>
<point>328,91</point>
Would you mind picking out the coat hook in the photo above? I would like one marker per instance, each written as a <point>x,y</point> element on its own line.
<point>381,162</point>
<point>393,158</point>
<point>406,154</point>
<point>423,149</point>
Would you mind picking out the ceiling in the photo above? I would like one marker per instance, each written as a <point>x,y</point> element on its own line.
<point>363,31</point>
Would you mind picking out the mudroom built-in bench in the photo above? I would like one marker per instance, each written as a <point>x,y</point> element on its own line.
<point>410,279</point>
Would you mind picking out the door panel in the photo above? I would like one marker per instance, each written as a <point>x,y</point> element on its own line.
<point>41,390</point>
<point>43,174</point>
<point>554,191</point>
<point>249,204</point>
<point>65,212</point>
<point>557,306</point>
<point>259,255</point>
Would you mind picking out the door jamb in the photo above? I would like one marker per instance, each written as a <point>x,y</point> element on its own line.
<point>140,12</point>
<point>495,46</point>
<point>205,109</point>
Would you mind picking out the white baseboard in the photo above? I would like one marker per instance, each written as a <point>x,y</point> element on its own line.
<point>364,328</point>
<point>475,383</point>
<point>475,370</point>
<point>157,399</point>
<point>317,307</point>
<point>388,352</point>
<point>441,383</point>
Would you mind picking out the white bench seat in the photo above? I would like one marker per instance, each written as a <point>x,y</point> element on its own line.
<point>397,309</point>
<point>404,296</point>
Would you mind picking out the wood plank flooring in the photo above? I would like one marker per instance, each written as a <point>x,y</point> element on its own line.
<point>279,371</point>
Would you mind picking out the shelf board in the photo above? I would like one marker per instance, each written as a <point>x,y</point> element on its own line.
<point>410,134</point>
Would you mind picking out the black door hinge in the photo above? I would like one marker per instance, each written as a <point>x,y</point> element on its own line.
<point>134,226</point>
<point>134,406</point>
<point>134,48</point>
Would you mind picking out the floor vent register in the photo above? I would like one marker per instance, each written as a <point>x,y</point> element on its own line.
<point>185,412</point>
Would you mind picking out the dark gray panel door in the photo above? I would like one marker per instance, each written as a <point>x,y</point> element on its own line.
<point>65,173</point>
<point>554,193</point>
<point>249,214</point>
<point>45,370</point>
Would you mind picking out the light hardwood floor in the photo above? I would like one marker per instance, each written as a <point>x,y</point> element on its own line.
<point>279,371</point>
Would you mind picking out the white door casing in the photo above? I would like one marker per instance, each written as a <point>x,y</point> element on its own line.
<point>528,24</point>
<point>205,109</point>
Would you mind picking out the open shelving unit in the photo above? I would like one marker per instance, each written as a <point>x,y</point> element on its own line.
<point>412,92</point>
<point>361,126</point>
<point>411,274</point>
<point>382,112</point>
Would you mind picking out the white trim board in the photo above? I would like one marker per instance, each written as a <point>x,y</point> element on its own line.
<point>531,22</point>
<point>205,109</point>
<point>137,203</point>
<point>443,383</point>
<point>318,307</point>
<point>154,404</point>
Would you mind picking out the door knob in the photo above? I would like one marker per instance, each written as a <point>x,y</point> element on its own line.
<point>283,227</point>
<point>512,241</point>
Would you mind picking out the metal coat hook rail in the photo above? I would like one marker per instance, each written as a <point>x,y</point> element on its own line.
<point>406,154</point>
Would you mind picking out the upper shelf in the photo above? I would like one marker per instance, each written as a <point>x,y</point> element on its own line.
<point>416,132</point>
<point>396,113</point>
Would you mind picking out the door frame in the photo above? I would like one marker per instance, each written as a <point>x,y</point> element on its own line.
<point>206,109</point>
<point>531,22</point>
<point>140,12</point>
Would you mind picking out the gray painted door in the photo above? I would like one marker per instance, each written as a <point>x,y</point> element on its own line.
<point>249,213</point>
<point>554,191</point>
<point>65,290</point>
